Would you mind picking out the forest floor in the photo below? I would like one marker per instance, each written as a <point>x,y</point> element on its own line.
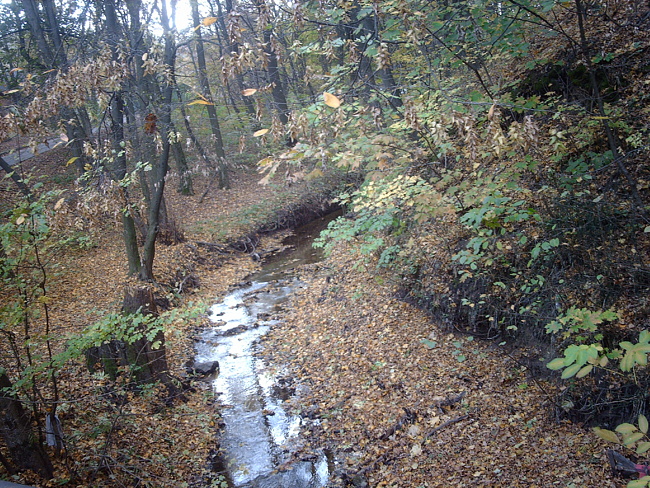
<point>399,401</point>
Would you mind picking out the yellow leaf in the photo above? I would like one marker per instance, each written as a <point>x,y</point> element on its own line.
<point>248,92</point>
<point>10,91</point>
<point>16,69</point>
<point>331,100</point>
<point>259,133</point>
<point>20,219</point>
<point>145,56</point>
<point>58,204</point>
<point>64,137</point>
<point>584,371</point>
<point>208,21</point>
<point>200,102</point>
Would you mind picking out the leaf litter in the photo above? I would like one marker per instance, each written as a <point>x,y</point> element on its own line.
<point>404,403</point>
<point>398,400</point>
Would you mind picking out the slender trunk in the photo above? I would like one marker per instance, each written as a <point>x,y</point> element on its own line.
<point>233,47</point>
<point>184,175</point>
<point>117,135</point>
<point>609,133</point>
<point>30,8</point>
<point>14,176</point>
<point>207,93</point>
<point>160,172</point>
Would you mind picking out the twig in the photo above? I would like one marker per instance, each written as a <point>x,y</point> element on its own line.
<point>446,424</point>
<point>408,418</point>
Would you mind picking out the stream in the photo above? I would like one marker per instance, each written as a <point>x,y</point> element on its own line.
<point>259,435</point>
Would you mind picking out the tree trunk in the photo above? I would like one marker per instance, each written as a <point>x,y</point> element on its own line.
<point>16,430</point>
<point>184,176</point>
<point>117,136</point>
<point>233,48</point>
<point>14,176</point>
<point>149,363</point>
<point>160,171</point>
<point>202,74</point>
<point>273,70</point>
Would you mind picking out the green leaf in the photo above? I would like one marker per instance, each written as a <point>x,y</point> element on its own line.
<point>607,435</point>
<point>570,371</point>
<point>644,336</point>
<point>555,364</point>
<point>632,438</point>
<point>429,343</point>
<point>638,483</point>
<point>626,428</point>
<point>643,447</point>
<point>643,424</point>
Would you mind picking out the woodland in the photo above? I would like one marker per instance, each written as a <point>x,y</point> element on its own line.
<point>481,317</point>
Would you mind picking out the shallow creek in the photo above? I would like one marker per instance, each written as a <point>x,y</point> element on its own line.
<point>259,434</point>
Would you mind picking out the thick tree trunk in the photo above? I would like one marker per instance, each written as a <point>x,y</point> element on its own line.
<point>149,363</point>
<point>16,430</point>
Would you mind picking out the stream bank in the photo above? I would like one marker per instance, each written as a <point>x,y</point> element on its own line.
<point>403,403</point>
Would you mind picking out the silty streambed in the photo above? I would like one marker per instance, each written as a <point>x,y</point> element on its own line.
<point>258,432</point>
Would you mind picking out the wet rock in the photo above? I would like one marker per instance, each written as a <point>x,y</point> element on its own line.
<point>203,370</point>
<point>234,331</point>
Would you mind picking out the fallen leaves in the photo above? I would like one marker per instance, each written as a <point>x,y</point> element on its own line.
<point>415,415</point>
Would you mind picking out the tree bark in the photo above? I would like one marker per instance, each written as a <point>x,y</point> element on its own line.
<point>16,430</point>
<point>117,136</point>
<point>160,171</point>
<point>150,364</point>
<point>202,74</point>
<point>14,176</point>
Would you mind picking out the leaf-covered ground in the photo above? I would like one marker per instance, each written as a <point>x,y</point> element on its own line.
<point>397,400</point>
<point>115,437</point>
<point>403,403</point>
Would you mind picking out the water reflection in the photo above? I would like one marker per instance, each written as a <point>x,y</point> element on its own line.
<point>258,431</point>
